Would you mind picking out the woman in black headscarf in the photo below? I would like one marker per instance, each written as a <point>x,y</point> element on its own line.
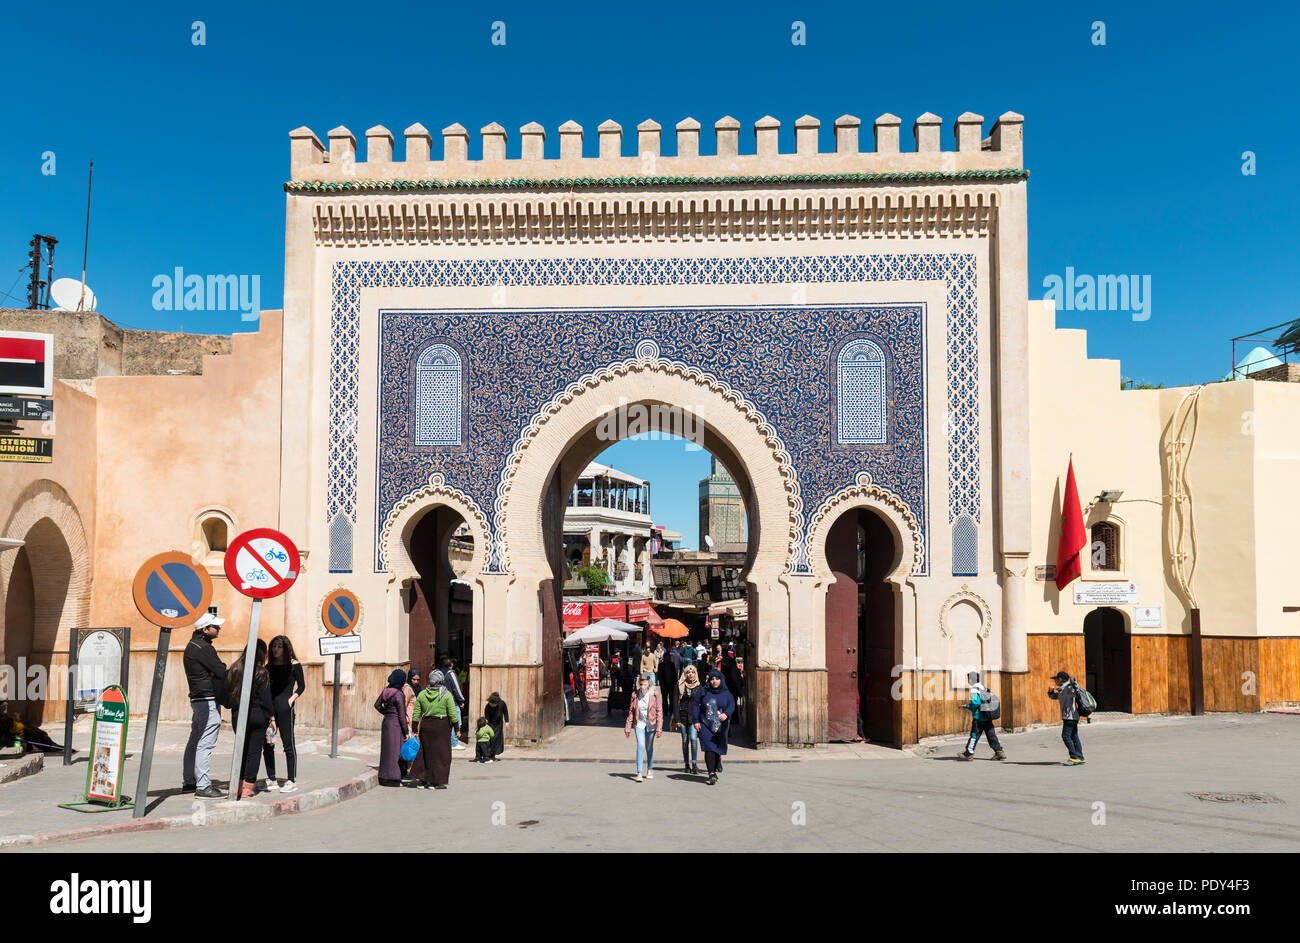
<point>712,710</point>
<point>498,716</point>
<point>392,704</point>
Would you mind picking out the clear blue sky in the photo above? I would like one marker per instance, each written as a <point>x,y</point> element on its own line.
<point>1135,147</point>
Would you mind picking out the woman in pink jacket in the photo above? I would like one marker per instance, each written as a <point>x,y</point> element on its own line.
<point>645,715</point>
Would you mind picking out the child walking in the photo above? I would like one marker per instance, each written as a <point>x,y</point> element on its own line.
<point>483,737</point>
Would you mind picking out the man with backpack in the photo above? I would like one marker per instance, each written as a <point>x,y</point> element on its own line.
<point>1075,703</point>
<point>984,708</point>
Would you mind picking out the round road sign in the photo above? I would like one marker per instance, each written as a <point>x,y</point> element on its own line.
<point>170,591</point>
<point>262,563</point>
<point>340,612</point>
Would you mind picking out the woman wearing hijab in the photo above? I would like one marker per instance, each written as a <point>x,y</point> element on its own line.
<point>711,714</point>
<point>435,709</point>
<point>392,704</point>
<point>498,715</point>
<point>645,715</point>
<point>732,677</point>
<point>688,692</point>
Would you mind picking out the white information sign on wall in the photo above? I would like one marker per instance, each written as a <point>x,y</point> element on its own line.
<point>1147,617</point>
<point>340,644</point>
<point>1105,594</point>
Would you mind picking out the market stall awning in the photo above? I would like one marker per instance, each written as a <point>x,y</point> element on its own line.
<point>672,629</point>
<point>576,615</point>
<point>595,633</point>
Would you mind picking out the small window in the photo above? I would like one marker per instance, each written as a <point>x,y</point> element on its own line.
<point>439,386</point>
<point>1105,546</point>
<point>213,528</point>
<point>215,534</point>
<point>860,398</point>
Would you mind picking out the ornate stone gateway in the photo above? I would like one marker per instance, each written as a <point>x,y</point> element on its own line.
<point>456,331</point>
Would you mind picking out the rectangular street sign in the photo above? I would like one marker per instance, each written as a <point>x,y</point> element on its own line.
<point>13,407</point>
<point>1105,594</point>
<point>21,448</point>
<point>340,644</point>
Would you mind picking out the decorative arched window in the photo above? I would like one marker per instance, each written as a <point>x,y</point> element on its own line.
<point>1105,545</point>
<point>439,395</point>
<point>860,394</point>
<point>965,547</point>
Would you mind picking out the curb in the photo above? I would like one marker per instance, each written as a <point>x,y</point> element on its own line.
<point>19,766</point>
<point>226,813</point>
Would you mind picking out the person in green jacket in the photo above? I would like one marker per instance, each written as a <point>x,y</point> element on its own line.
<point>434,710</point>
<point>483,748</point>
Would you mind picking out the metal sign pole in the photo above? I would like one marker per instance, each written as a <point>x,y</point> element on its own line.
<point>334,735</point>
<point>141,797</point>
<point>72,696</point>
<point>246,692</point>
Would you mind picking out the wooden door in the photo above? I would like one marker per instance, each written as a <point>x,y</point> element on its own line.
<point>842,628</point>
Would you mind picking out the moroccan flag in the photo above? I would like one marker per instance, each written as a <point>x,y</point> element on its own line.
<point>1073,539</point>
<point>23,367</point>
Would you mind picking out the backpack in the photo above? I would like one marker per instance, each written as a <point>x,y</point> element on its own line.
<point>1085,702</point>
<point>990,705</point>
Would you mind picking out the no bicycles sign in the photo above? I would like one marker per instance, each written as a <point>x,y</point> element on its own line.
<point>262,563</point>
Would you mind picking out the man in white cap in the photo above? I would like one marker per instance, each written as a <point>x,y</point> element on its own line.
<point>206,674</point>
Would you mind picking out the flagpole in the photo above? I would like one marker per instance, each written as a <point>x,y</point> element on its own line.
<point>85,246</point>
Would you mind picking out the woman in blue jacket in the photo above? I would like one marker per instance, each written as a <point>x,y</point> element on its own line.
<point>711,711</point>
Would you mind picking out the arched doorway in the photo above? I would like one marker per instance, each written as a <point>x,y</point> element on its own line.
<point>552,454</point>
<point>46,584</point>
<point>860,627</point>
<point>20,627</point>
<point>435,548</point>
<point>439,601</point>
<point>1108,660</point>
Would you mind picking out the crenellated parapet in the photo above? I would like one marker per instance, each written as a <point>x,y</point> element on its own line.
<point>609,161</point>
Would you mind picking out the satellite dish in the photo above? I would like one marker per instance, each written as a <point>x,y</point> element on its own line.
<point>708,540</point>
<point>66,295</point>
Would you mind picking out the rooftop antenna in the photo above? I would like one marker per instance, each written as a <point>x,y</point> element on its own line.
<point>85,246</point>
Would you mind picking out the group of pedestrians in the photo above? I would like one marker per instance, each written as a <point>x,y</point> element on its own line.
<point>1074,700</point>
<point>277,683</point>
<point>701,713</point>
<point>421,727</point>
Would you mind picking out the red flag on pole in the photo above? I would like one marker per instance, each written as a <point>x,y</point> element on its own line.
<point>1073,540</point>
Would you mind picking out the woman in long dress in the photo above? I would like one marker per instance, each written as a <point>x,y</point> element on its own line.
<point>392,704</point>
<point>435,709</point>
<point>498,716</point>
<point>712,710</point>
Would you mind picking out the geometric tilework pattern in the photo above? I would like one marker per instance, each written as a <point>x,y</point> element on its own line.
<point>518,360</point>
<point>860,403</point>
<point>965,547</point>
<point>957,270</point>
<point>438,395</point>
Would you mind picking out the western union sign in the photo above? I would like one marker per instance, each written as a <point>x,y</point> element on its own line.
<point>18,448</point>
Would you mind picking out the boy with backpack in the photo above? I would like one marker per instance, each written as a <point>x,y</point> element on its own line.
<point>1075,703</point>
<point>984,708</point>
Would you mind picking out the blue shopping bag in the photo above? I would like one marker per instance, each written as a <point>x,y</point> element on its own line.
<point>410,748</point>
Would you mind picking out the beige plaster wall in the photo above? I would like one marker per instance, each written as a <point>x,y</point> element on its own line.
<point>1276,422</point>
<point>171,446</point>
<point>1077,406</point>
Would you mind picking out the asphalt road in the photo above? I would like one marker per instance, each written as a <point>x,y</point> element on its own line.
<point>1134,794</point>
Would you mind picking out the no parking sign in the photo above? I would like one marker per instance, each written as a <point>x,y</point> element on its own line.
<point>262,563</point>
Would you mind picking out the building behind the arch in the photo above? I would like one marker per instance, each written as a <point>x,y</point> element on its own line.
<point>852,331</point>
